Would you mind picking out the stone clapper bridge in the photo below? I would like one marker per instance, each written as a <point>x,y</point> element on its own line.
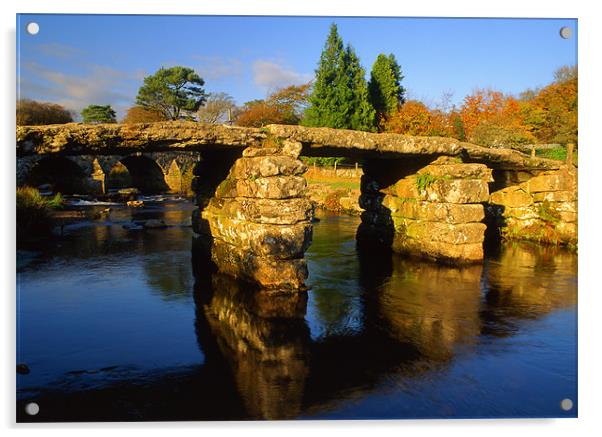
<point>423,196</point>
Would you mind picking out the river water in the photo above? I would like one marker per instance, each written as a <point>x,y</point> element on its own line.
<point>114,324</point>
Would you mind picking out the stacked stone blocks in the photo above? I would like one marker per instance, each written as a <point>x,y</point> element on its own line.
<point>542,209</point>
<point>435,213</point>
<point>259,218</point>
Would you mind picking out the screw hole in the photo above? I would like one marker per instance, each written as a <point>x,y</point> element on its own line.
<point>565,32</point>
<point>566,404</point>
<point>32,408</point>
<point>33,28</point>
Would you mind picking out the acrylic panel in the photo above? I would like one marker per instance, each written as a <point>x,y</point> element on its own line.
<point>281,217</point>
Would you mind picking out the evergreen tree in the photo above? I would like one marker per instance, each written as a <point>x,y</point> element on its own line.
<point>361,116</point>
<point>340,94</point>
<point>98,114</point>
<point>173,91</point>
<point>386,92</point>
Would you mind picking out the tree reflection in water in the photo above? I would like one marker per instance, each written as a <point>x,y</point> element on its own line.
<point>270,355</point>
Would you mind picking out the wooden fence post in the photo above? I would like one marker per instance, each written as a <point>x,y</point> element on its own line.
<point>569,153</point>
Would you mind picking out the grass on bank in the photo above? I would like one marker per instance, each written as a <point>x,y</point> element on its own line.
<point>557,153</point>
<point>335,182</point>
<point>33,213</point>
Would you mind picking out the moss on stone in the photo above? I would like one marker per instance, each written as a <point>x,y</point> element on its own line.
<point>423,181</point>
<point>547,213</point>
<point>225,188</point>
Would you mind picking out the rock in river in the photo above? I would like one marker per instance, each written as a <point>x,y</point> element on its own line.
<point>154,224</point>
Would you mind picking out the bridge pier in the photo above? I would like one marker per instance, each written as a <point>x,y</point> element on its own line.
<point>426,209</point>
<point>96,180</point>
<point>542,209</point>
<point>253,210</point>
<point>254,215</point>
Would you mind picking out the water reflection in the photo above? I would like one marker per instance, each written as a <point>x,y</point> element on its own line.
<point>413,320</point>
<point>264,340</point>
<point>526,281</point>
<point>431,306</point>
<point>173,279</point>
<point>377,335</point>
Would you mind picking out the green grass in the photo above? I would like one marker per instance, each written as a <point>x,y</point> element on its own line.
<point>33,213</point>
<point>322,162</point>
<point>30,198</point>
<point>350,185</point>
<point>558,153</point>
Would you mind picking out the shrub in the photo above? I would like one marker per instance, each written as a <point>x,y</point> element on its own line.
<point>33,213</point>
<point>32,113</point>
<point>139,114</point>
<point>322,162</point>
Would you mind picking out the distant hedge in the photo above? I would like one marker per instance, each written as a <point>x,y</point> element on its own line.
<point>32,113</point>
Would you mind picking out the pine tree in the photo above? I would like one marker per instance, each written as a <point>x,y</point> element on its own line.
<point>362,113</point>
<point>340,94</point>
<point>385,90</point>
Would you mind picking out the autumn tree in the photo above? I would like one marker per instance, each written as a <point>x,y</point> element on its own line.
<point>340,94</point>
<point>415,118</point>
<point>284,106</point>
<point>292,101</point>
<point>493,119</point>
<point>217,108</point>
<point>490,118</point>
<point>139,114</point>
<point>552,112</point>
<point>384,88</point>
<point>566,74</point>
<point>30,113</point>
<point>172,91</point>
<point>98,114</point>
<point>258,113</point>
<point>457,125</point>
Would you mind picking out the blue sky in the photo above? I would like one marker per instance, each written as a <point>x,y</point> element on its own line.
<point>76,60</point>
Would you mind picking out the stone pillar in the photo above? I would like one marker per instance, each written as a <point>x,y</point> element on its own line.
<point>434,212</point>
<point>173,177</point>
<point>96,180</point>
<point>542,209</point>
<point>258,218</point>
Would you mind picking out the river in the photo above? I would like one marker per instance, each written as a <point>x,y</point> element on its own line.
<point>113,325</point>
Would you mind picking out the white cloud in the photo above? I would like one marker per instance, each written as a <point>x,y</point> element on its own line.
<point>217,67</point>
<point>56,50</point>
<point>272,75</point>
<point>97,84</point>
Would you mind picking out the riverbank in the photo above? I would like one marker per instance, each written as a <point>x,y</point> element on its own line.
<point>334,190</point>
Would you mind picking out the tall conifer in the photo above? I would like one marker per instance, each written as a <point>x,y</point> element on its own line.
<point>385,90</point>
<point>340,94</point>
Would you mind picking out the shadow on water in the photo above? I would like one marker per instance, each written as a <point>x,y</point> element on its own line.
<point>372,325</point>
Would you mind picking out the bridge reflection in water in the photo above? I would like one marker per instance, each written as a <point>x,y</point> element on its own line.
<point>413,319</point>
<point>380,324</point>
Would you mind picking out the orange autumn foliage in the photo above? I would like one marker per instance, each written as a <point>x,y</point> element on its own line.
<point>493,119</point>
<point>552,112</point>
<point>260,113</point>
<point>490,118</point>
<point>283,106</point>
<point>415,118</point>
<point>138,114</point>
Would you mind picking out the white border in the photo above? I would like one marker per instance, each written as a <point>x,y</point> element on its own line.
<point>590,177</point>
